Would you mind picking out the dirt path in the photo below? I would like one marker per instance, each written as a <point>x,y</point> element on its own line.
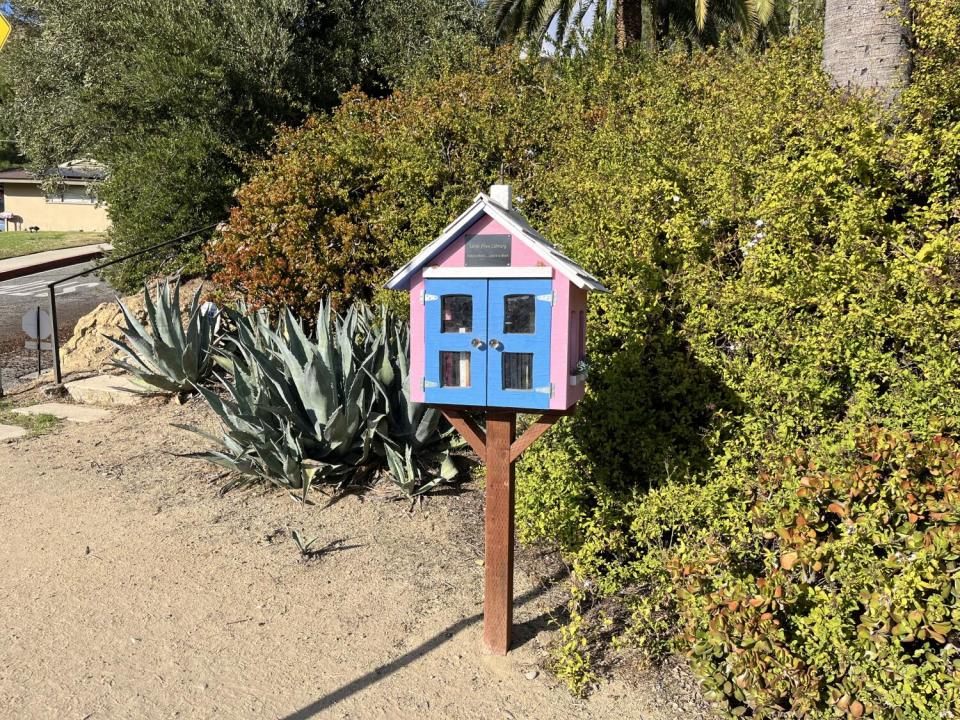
<point>128,589</point>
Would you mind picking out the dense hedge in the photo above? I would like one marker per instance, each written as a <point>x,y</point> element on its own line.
<point>346,198</point>
<point>784,264</point>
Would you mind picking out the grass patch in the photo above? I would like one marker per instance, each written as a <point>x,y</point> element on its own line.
<point>16,243</point>
<point>34,424</point>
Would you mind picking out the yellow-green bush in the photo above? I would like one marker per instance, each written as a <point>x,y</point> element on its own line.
<point>784,264</point>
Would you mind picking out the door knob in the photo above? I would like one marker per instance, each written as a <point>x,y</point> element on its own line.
<point>496,344</point>
<point>477,343</point>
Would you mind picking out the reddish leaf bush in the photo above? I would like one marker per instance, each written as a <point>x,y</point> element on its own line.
<point>344,200</point>
<point>850,606</point>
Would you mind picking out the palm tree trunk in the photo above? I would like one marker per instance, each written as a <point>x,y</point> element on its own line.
<point>866,45</point>
<point>637,22</point>
<point>648,15</point>
<point>794,17</point>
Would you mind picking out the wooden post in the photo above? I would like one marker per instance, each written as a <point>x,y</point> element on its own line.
<point>499,447</point>
<point>499,522</point>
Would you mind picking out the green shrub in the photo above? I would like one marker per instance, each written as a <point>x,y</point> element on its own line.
<point>783,275</point>
<point>190,182</point>
<point>845,598</point>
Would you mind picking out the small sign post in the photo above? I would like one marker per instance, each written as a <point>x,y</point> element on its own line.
<point>499,447</point>
<point>37,326</point>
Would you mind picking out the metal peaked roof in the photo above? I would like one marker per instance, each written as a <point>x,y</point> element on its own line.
<point>513,221</point>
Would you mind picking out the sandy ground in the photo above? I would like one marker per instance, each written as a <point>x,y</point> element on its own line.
<point>129,589</point>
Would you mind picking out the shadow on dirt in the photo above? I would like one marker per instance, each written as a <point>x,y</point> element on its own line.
<point>523,633</point>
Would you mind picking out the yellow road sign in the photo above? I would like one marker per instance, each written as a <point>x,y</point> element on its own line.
<point>4,30</point>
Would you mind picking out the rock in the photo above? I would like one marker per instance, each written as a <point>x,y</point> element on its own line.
<point>88,349</point>
<point>532,675</point>
<point>106,390</point>
<point>11,432</point>
<point>55,391</point>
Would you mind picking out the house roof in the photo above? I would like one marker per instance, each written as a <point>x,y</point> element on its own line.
<point>17,174</point>
<point>518,226</point>
<point>72,173</point>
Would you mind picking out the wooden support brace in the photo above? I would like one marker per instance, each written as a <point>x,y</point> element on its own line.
<point>465,425</point>
<point>531,434</point>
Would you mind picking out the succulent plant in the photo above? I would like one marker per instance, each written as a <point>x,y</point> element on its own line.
<point>303,545</point>
<point>173,356</point>
<point>406,474</point>
<point>301,410</point>
<point>414,428</point>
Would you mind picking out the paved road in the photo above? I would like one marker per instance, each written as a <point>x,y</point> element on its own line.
<point>75,298</point>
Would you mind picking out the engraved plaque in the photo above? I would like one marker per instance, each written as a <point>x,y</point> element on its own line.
<point>488,251</point>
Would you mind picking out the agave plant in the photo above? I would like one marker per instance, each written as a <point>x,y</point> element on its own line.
<point>299,410</point>
<point>304,546</point>
<point>331,408</point>
<point>176,354</point>
<point>406,474</point>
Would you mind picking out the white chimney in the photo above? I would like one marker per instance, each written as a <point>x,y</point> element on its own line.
<point>502,195</point>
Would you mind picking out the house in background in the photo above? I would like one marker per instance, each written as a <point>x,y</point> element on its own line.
<point>72,207</point>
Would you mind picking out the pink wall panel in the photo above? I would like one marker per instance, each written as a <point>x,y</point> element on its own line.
<point>417,339</point>
<point>559,336</point>
<point>578,304</point>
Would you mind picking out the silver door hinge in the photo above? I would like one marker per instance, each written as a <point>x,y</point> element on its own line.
<point>546,389</point>
<point>424,384</point>
<point>548,297</point>
<point>427,297</point>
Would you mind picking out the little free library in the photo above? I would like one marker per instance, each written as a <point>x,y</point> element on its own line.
<point>497,328</point>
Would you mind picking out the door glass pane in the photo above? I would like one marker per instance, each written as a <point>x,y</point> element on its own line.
<point>519,314</point>
<point>455,369</point>
<point>517,371</point>
<point>457,313</point>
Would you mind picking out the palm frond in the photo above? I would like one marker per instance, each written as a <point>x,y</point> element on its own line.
<point>703,21</point>
<point>507,17</point>
<point>763,9</point>
<point>701,7</point>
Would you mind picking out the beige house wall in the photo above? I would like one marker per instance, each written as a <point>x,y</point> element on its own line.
<point>29,202</point>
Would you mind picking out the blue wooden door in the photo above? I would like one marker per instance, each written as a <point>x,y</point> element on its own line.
<point>518,340</point>
<point>455,324</point>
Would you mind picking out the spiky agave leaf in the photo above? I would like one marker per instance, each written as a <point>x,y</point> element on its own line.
<point>166,357</point>
<point>407,475</point>
<point>303,545</point>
